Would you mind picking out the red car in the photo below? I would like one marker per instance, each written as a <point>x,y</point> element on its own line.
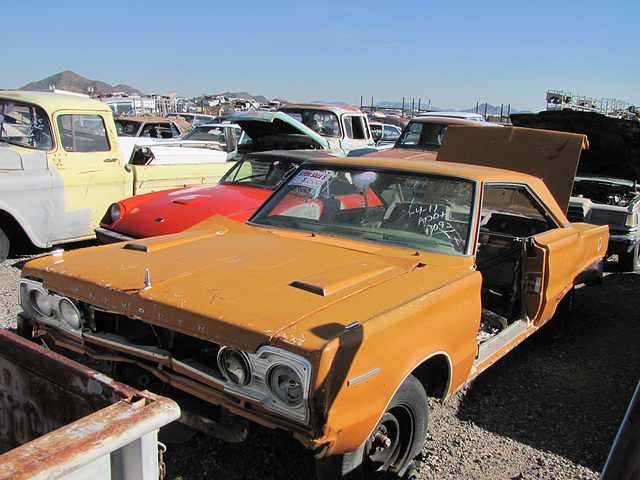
<point>238,194</point>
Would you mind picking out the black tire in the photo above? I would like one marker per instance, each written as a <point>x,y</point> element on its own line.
<point>4,246</point>
<point>390,450</point>
<point>24,327</point>
<point>630,261</point>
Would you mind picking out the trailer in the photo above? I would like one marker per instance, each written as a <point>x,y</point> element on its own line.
<point>62,420</point>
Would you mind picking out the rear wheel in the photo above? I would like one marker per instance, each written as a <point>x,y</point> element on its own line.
<point>390,450</point>
<point>4,246</point>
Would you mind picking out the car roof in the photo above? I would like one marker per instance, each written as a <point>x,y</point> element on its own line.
<point>58,100</point>
<point>149,118</point>
<point>445,120</point>
<point>471,116</point>
<point>320,106</point>
<point>478,172</point>
<point>299,155</point>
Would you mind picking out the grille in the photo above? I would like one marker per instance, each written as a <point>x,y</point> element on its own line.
<point>576,214</point>
<point>182,347</point>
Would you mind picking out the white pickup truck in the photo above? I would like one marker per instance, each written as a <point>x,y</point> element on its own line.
<point>61,167</point>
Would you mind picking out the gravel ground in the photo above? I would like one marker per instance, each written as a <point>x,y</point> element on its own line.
<point>542,412</point>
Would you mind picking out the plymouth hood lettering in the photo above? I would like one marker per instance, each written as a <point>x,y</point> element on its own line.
<point>256,284</point>
<point>258,281</point>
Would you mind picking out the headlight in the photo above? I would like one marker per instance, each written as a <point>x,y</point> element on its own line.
<point>235,366</point>
<point>114,212</point>
<point>277,379</point>
<point>41,303</point>
<point>285,384</point>
<point>48,307</point>
<point>69,313</point>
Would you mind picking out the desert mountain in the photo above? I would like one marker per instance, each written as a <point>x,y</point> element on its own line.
<point>73,82</point>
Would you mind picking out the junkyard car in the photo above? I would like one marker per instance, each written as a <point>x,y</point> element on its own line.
<point>195,119</point>
<point>238,194</point>
<point>357,289</point>
<point>154,127</point>
<point>422,137</point>
<point>334,128</point>
<point>606,190</point>
<point>384,133</point>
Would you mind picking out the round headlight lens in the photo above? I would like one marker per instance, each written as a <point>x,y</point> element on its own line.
<point>285,383</point>
<point>41,303</point>
<point>234,366</point>
<point>69,313</point>
<point>114,212</point>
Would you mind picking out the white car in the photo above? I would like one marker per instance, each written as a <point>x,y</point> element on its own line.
<point>205,144</point>
<point>475,117</point>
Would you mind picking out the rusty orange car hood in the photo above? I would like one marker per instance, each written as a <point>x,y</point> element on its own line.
<point>241,288</point>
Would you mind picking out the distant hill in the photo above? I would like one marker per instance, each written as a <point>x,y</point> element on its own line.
<point>73,82</point>
<point>247,96</point>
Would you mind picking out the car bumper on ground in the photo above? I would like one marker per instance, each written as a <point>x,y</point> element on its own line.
<point>109,236</point>
<point>621,243</point>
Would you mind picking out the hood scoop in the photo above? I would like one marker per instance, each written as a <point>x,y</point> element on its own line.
<point>332,281</point>
<point>136,246</point>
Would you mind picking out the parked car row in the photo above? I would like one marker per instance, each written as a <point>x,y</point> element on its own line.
<point>269,296</point>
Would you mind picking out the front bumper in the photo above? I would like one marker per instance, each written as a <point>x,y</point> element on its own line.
<point>178,375</point>
<point>621,243</point>
<point>109,236</point>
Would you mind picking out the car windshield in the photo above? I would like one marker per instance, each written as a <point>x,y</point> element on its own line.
<point>207,133</point>
<point>323,123</point>
<point>422,135</point>
<point>25,125</point>
<point>261,172</point>
<point>417,210</point>
<point>127,128</point>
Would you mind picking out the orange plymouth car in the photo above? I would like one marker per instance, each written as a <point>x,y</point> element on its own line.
<point>357,290</point>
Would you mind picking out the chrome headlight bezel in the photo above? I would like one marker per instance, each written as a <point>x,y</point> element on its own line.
<point>227,357</point>
<point>115,212</point>
<point>260,389</point>
<point>50,308</point>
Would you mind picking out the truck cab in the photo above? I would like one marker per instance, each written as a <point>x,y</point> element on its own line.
<point>61,166</point>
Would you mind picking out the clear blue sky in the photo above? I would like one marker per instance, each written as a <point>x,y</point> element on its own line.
<point>455,53</point>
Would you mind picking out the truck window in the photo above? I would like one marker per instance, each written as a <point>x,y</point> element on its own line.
<point>355,127</point>
<point>25,125</point>
<point>83,133</point>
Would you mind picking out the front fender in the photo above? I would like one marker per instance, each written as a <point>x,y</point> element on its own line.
<point>369,362</point>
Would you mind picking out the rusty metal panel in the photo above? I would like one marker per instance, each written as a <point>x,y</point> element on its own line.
<point>59,419</point>
<point>624,459</point>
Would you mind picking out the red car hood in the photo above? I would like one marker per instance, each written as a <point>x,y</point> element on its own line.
<point>178,210</point>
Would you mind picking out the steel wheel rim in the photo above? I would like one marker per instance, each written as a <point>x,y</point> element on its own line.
<point>388,446</point>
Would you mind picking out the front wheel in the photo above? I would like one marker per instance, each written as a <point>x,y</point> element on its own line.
<point>4,246</point>
<point>391,448</point>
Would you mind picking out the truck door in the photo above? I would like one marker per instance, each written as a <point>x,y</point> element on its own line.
<point>88,174</point>
<point>356,133</point>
